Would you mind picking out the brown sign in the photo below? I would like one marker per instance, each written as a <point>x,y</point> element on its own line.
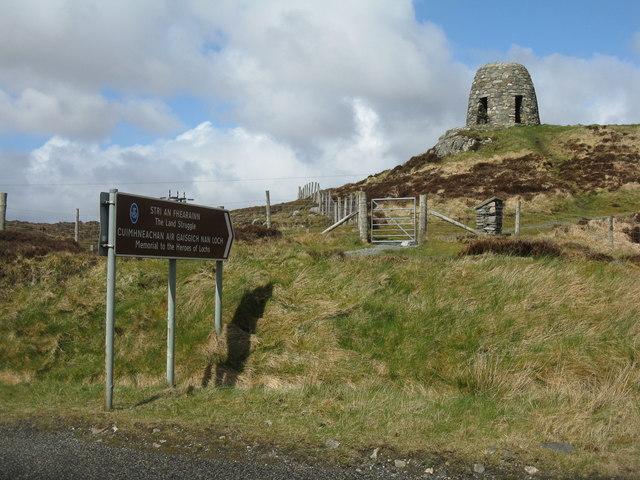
<point>150,227</point>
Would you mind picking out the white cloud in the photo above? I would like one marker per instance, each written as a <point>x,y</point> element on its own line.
<point>601,89</point>
<point>134,46</point>
<point>58,56</point>
<point>87,116</point>
<point>316,88</point>
<point>231,167</point>
<point>36,111</point>
<point>311,88</point>
<point>283,66</point>
<point>289,64</point>
<point>149,114</point>
<point>366,146</point>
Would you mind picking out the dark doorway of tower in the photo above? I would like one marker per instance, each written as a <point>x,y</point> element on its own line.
<point>483,111</point>
<point>518,108</point>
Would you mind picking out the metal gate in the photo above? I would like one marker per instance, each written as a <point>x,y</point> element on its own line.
<point>393,220</point>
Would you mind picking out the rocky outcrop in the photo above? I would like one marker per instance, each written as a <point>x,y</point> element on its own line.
<point>455,141</point>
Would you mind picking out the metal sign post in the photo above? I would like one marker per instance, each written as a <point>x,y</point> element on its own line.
<point>111,296</point>
<point>171,322</point>
<point>218,299</point>
<point>137,226</point>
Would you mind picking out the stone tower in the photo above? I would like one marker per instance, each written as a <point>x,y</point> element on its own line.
<point>502,95</point>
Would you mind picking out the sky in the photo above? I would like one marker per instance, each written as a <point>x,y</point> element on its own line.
<point>224,99</point>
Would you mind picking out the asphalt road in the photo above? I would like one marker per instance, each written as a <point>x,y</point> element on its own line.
<point>29,453</point>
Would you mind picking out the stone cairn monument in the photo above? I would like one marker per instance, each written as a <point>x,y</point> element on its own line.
<point>502,95</point>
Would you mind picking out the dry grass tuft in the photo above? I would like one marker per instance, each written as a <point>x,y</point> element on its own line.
<point>415,349</point>
<point>518,247</point>
<point>14,244</point>
<point>488,374</point>
<point>11,377</point>
<point>251,233</point>
<point>141,380</point>
<point>597,411</point>
<point>593,235</point>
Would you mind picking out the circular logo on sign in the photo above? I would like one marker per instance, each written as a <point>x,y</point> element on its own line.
<point>133,212</point>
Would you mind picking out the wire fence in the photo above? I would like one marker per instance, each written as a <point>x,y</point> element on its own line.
<point>315,209</point>
<point>618,230</point>
<point>87,232</point>
<point>284,216</point>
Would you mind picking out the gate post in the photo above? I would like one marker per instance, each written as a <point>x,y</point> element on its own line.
<point>611,224</point>
<point>422,219</point>
<point>3,209</point>
<point>76,235</point>
<point>268,209</point>
<point>362,216</point>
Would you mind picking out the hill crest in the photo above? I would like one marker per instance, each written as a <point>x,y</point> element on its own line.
<point>525,161</point>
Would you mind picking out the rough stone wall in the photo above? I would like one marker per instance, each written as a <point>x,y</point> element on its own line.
<point>489,216</point>
<point>502,95</point>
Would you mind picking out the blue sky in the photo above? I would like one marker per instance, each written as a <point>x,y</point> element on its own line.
<point>481,30</point>
<point>227,99</point>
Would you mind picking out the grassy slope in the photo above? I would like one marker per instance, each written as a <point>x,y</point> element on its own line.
<point>542,164</point>
<point>420,350</point>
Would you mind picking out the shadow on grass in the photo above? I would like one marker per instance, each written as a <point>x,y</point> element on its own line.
<point>239,331</point>
<point>151,399</point>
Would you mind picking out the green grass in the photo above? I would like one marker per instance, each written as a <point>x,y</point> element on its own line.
<point>539,139</point>
<point>610,203</point>
<point>419,350</point>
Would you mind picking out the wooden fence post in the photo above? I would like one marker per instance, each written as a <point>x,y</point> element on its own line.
<point>363,225</point>
<point>422,219</point>
<point>516,229</point>
<point>76,235</point>
<point>611,224</point>
<point>3,209</point>
<point>268,210</point>
<point>350,209</point>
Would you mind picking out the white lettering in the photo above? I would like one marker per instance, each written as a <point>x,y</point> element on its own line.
<point>139,233</point>
<point>187,237</point>
<point>186,214</point>
<point>186,226</point>
<point>147,245</point>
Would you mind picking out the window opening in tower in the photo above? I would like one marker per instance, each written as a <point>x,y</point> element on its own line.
<point>518,108</point>
<point>483,111</point>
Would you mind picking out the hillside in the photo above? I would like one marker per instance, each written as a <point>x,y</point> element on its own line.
<point>433,358</point>
<point>527,161</point>
<point>511,353</point>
